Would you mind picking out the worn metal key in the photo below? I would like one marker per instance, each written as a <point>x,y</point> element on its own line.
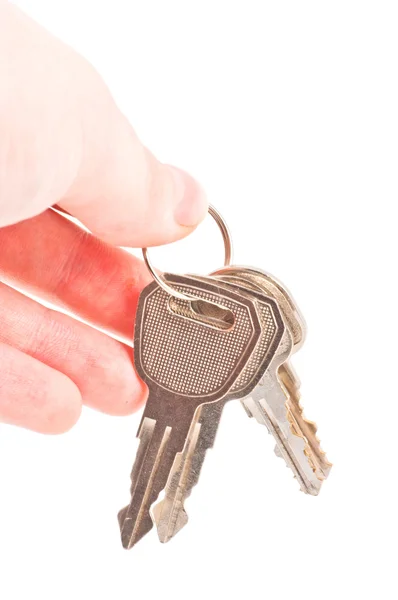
<point>187,357</point>
<point>296,437</point>
<point>169,513</point>
<point>283,416</point>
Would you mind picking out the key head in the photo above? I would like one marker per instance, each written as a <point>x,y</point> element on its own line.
<point>274,288</point>
<point>272,331</point>
<point>179,355</point>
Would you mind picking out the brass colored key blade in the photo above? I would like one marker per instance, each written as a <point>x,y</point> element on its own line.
<point>134,520</point>
<point>169,514</point>
<point>286,375</point>
<point>301,426</point>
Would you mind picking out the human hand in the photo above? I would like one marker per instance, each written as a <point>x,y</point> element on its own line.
<point>63,141</point>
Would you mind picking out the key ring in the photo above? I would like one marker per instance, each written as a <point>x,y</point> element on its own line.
<point>227,256</point>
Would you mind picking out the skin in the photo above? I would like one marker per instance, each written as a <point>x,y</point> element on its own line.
<point>64,142</point>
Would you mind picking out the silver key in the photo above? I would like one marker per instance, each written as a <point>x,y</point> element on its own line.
<point>169,514</point>
<point>298,453</point>
<point>186,359</point>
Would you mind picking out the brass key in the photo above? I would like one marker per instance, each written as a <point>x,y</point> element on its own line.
<point>187,357</point>
<point>278,389</point>
<point>169,513</point>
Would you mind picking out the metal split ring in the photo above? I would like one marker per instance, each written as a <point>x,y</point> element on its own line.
<point>227,256</point>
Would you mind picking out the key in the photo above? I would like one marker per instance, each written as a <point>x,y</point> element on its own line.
<point>299,426</point>
<point>186,359</point>
<point>169,513</point>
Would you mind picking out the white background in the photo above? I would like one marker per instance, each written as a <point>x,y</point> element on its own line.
<point>287,112</point>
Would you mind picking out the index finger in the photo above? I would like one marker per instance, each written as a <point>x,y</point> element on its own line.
<point>54,259</point>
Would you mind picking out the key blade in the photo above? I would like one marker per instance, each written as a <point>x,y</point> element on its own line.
<point>271,405</point>
<point>135,520</point>
<point>260,412</point>
<point>303,427</point>
<point>299,425</point>
<point>292,452</point>
<point>169,514</point>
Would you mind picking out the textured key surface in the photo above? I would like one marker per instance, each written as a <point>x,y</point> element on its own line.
<point>272,329</point>
<point>186,357</point>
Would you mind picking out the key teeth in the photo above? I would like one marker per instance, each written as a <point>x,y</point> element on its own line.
<point>315,455</point>
<point>311,490</point>
<point>321,471</point>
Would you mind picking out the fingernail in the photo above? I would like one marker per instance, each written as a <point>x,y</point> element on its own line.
<point>193,207</point>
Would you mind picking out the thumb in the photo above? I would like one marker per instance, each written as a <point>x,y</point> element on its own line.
<point>124,194</point>
<point>63,141</point>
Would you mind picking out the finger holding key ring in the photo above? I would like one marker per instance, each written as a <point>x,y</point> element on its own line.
<point>227,257</point>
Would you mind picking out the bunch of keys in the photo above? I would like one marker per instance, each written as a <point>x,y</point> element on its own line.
<point>199,343</point>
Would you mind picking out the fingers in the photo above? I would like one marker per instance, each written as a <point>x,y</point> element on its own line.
<point>55,259</point>
<point>64,141</point>
<point>100,368</point>
<point>35,396</point>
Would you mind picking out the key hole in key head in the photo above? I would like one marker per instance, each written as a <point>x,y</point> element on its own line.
<point>202,311</point>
